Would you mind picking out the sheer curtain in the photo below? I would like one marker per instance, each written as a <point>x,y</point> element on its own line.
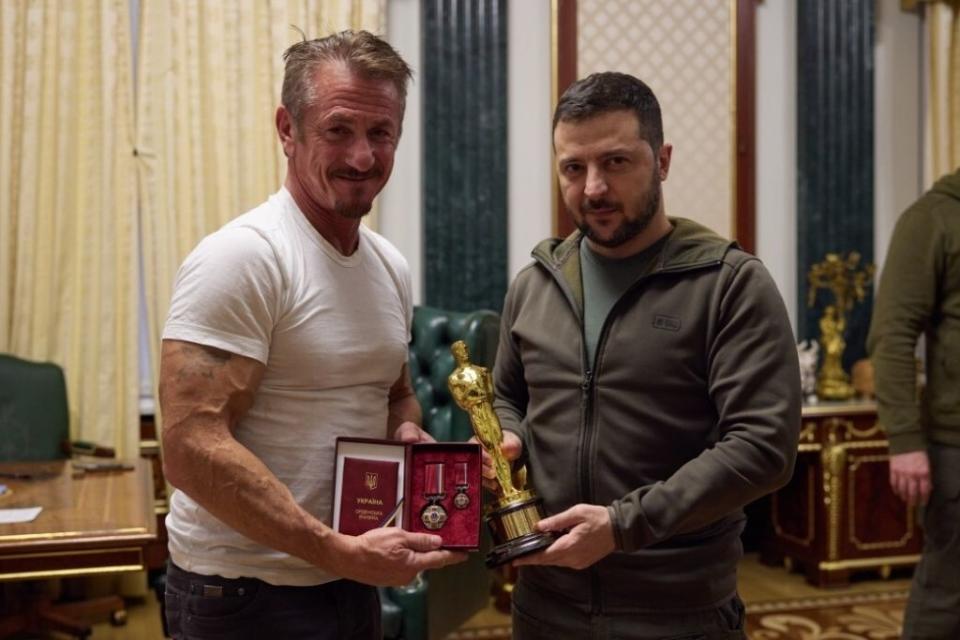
<point>942,122</point>
<point>68,236</point>
<point>209,79</point>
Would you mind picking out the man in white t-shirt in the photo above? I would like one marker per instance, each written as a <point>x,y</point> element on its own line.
<point>288,328</point>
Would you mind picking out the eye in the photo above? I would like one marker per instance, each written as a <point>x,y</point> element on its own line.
<point>381,135</point>
<point>571,169</point>
<point>617,162</point>
<point>338,131</point>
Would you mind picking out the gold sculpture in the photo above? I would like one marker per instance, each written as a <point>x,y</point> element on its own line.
<point>848,285</point>
<point>513,519</point>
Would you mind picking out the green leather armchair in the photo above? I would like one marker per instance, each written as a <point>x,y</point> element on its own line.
<point>34,419</point>
<point>441,600</point>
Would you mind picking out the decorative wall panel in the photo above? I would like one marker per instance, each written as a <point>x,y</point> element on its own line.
<point>683,50</point>
<point>834,149</point>
<point>465,153</point>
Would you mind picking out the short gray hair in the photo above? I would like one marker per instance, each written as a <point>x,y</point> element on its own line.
<point>365,54</point>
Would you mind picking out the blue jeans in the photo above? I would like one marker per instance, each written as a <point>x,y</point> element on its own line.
<point>200,607</point>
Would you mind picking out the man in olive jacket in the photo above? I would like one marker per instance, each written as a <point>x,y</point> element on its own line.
<point>919,293</point>
<point>648,373</point>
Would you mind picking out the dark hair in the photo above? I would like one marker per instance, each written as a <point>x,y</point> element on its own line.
<point>601,93</point>
<point>364,53</point>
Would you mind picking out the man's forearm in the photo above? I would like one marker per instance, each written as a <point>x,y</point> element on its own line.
<point>227,480</point>
<point>204,392</point>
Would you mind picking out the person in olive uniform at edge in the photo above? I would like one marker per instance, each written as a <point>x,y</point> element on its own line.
<point>919,293</point>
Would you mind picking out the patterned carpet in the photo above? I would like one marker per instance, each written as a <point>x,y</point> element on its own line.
<point>867,616</point>
<point>493,632</point>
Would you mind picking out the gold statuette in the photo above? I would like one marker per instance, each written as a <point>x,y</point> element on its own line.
<point>848,284</point>
<point>513,517</point>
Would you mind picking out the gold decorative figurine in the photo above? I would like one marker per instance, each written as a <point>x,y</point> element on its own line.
<point>513,518</point>
<point>848,285</point>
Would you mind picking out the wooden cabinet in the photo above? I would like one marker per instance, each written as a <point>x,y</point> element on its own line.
<point>838,514</point>
<point>156,553</point>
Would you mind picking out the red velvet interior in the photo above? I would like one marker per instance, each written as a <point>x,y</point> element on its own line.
<point>462,528</point>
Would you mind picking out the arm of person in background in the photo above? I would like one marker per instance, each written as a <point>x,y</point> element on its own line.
<point>405,415</point>
<point>204,392</point>
<point>753,379</point>
<point>904,304</point>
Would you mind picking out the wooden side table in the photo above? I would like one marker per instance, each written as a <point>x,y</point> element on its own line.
<point>838,514</point>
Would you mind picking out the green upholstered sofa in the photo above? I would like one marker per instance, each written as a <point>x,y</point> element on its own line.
<point>441,600</point>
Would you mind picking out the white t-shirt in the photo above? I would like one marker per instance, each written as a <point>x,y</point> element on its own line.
<point>332,331</point>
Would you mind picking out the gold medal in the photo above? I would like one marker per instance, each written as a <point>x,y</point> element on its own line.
<point>433,515</point>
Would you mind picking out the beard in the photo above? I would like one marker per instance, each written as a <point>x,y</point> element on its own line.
<point>355,209</point>
<point>631,227</point>
<point>352,210</point>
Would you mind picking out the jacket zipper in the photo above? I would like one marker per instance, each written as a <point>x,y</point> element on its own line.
<point>587,386</point>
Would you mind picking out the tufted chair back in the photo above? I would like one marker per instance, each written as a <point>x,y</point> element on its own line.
<point>457,592</point>
<point>434,330</point>
<point>34,420</point>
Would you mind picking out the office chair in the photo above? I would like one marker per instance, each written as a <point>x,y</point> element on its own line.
<point>35,426</point>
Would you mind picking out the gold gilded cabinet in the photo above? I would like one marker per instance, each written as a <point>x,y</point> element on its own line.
<point>838,513</point>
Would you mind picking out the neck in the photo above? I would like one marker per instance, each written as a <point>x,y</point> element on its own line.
<point>341,232</point>
<point>659,226</point>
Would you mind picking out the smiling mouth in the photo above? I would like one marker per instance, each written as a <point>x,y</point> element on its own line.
<point>599,207</point>
<point>604,212</point>
<point>357,177</point>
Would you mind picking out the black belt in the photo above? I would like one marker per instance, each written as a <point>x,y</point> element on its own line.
<point>213,586</point>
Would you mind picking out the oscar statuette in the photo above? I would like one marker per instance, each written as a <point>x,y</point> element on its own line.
<point>513,517</point>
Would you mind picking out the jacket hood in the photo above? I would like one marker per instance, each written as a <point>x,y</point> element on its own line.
<point>689,246</point>
<point>948,185</point>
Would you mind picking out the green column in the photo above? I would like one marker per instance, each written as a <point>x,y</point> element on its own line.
<point>465,153</point>
<point>834,149</point>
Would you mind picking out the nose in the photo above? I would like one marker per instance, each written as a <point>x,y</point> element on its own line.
<point>596,185</point>
<point>360,155</point>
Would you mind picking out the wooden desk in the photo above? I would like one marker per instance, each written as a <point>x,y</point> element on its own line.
<point>838,514</point>
<point>91,523</point>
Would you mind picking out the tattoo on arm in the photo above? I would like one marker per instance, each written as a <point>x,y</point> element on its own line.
<point>203,362</point>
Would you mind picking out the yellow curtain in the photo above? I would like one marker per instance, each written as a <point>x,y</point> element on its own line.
<point>68,276</point>
<point>209,80</point>
<point>942,122</point>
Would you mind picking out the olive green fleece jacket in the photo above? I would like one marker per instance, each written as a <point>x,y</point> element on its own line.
<point>919,293</point>
<point>692,411</point>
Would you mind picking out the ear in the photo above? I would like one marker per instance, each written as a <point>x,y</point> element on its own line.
<point>664,156</point>
<point>285,130</point>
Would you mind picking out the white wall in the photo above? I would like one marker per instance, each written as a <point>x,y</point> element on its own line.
<point>401,203</point>
<point>898,108</point>
<point>776,135</point>
<point>530,111</point>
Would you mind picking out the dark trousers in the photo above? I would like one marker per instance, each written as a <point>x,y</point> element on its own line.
<point>541,616</point>
<point>933,611</point>
<point>200,607</point>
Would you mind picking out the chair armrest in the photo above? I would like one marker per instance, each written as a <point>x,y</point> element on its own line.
<point>84,448</point>
<point>411,600</point>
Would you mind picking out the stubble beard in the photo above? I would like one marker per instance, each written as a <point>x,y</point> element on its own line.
<point>630,228</point>
<point>353,211</point>
<point>356,209</point>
